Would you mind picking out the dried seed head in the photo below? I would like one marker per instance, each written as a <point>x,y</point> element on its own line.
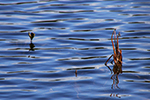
<point>31,35</point>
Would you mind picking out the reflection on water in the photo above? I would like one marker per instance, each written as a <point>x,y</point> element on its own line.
<point>65,60</point>
<point>31,46</point>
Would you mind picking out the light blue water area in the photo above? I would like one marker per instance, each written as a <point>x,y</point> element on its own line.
<point>66,59</point>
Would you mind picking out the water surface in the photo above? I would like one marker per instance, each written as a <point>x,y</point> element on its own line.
<point>73,35</point>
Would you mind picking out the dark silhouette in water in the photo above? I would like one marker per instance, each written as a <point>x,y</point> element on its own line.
<point>117,59</point>
<point>31,46</point>
<point>31,35</point>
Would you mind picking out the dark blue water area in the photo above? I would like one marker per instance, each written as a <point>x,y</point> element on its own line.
<point>66,58</point>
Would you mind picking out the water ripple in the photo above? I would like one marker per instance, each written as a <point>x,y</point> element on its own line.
<point>72,42</point>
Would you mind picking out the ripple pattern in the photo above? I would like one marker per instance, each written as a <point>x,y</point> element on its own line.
<point>72,42</point>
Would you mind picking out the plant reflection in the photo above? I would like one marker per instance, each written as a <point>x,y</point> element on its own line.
<point>115,95</point>
<point>117,59</point>
<point>31,47</point>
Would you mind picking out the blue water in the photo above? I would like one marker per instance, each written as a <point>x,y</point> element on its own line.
<point>73,35</point>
